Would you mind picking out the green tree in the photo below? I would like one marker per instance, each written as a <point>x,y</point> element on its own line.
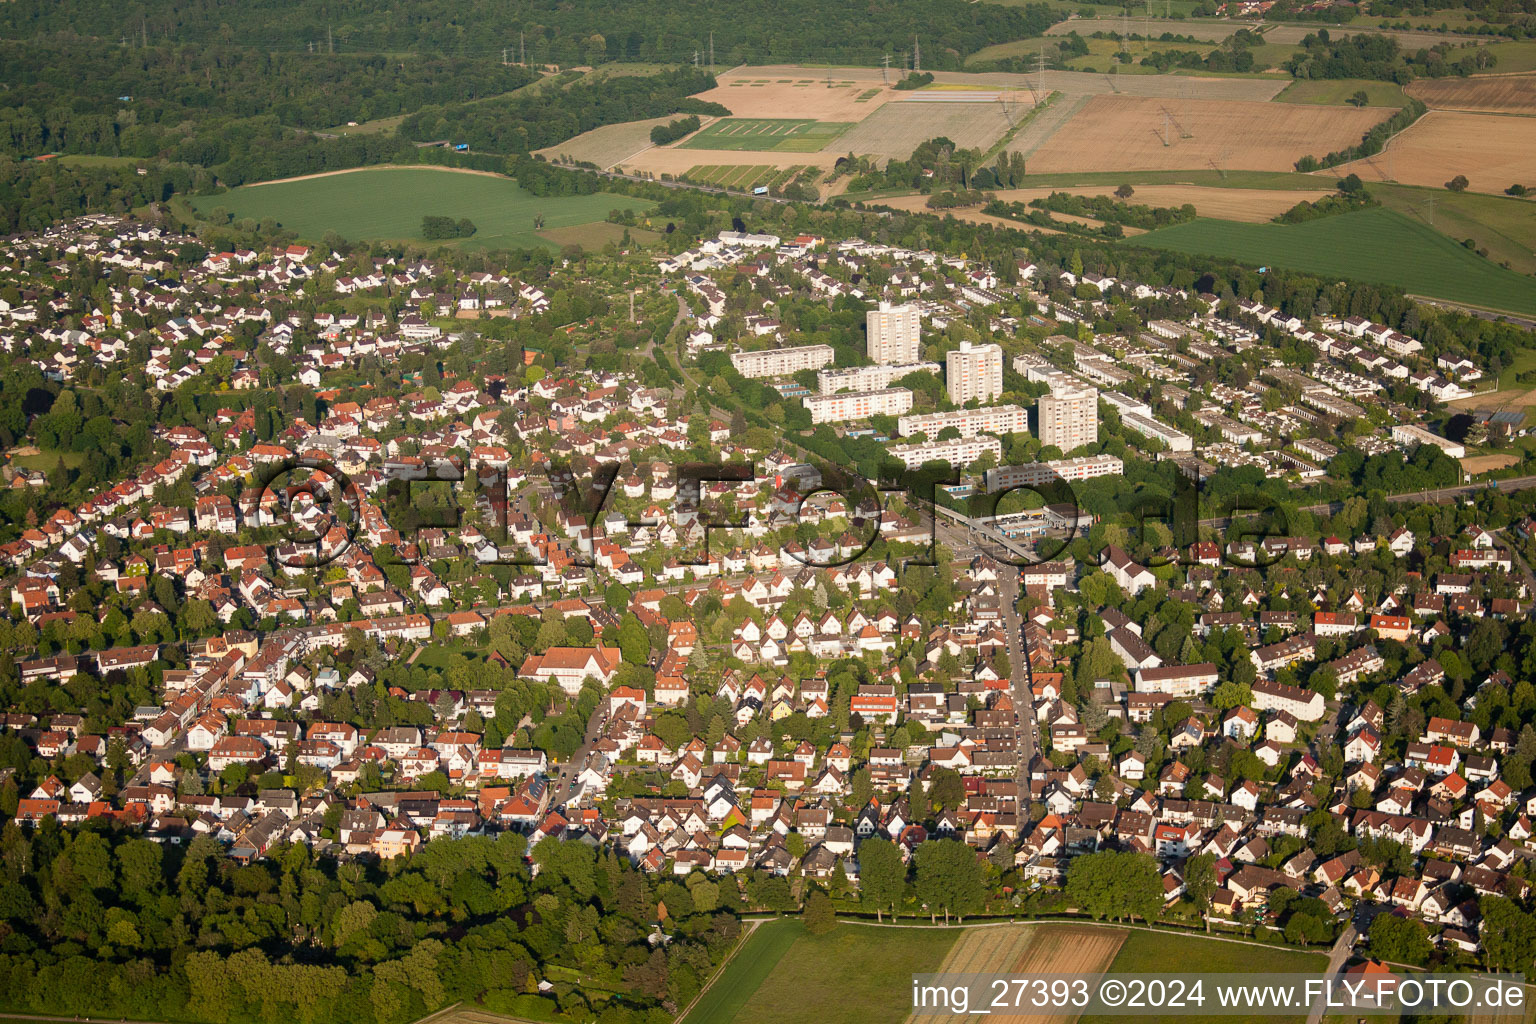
<point>820,917</point>
<point>949,878</point>
<point>882,875</point>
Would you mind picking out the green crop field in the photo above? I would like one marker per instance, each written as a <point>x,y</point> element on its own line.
<point>853,975</point>
<point>1149,953</point>
<point>1339,90</point>
<point>765,134</point>
<point>764,948</point>
<point>1376,245</point>
<point>389,202</point>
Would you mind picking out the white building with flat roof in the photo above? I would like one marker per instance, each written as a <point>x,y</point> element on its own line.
<point>1069,418</point>
<point>959,452</point>
<point>992,419</point>
<point>974,371</point>
<point>832,379</point>
<point>1412,433</point>
<point>780,362</point>
<point>857,405</point>
<point>1146,426</point>
<point>1035,474</point>
<point>894,333</point>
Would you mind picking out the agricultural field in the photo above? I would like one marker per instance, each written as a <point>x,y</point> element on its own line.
<point>1494,151</point>
<point>1069,949</point>
<point>897,128</point>
<point>387,203</point>
<point>1140,133</point>
<point>1086,83</point>
<point>743,176</point>
<point>597,234</point>
<point>1149,952</point>
<point>1498,94</point>
<point>1101,55</point>
<point>743,974</point>
<point>608,145</point>
<point>1513,56</point>
<point>1340,90</point>
<point>771,92</point>
<point>1376,245</point>
<point>856,974</point>
<point>767,134</point>
<point>1505,227</point>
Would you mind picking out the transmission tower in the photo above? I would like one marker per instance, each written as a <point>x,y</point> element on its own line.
<point>522,52</point>
<point>885,66</point>
<point>917,56</point>
<point>1168,119</point>
<point>711,52</point>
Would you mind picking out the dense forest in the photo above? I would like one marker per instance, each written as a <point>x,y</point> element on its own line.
<point>97,923</point>
<point>548,33</point>
<point>1381,57</point>
<point>544,118</point>
<point>84,97</point>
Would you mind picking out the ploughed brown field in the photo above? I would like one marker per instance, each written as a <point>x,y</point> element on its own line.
<point>1136,133</point>
<point>1492,150</point>
<point>1500,94</point>
<point>1026,949</point>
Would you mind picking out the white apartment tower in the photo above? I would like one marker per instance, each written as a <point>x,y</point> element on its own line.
<point>1069,418</point>
<point>893,333</point>
<point>974,371</point>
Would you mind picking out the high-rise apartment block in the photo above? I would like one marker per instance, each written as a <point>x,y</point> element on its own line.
<point>894,333</point>
<point>974,371</point>
<point>1069,418</point>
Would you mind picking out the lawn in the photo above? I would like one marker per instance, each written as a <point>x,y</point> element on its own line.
<point>1148,952</point>
<point>1339,90</point>
<point>1376,245</point>
<point>46,460</point>
<point>760,135</point>
<point>854,975</point>
<point>388,204</point>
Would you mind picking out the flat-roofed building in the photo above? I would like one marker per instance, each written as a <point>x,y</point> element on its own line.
<point>894,333</point>
<point>857,405</point>
<point>992,419</point>
<point>1069,418</point>
<point>974,371</point>
<point>780,362</point>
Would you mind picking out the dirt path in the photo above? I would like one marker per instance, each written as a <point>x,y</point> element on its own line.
<point>377,167</point>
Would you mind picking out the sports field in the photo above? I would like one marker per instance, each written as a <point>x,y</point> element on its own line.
<point>389,202</point>
<point>767,134</point>
<point>855,975</point>
<point>1377,245</point>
